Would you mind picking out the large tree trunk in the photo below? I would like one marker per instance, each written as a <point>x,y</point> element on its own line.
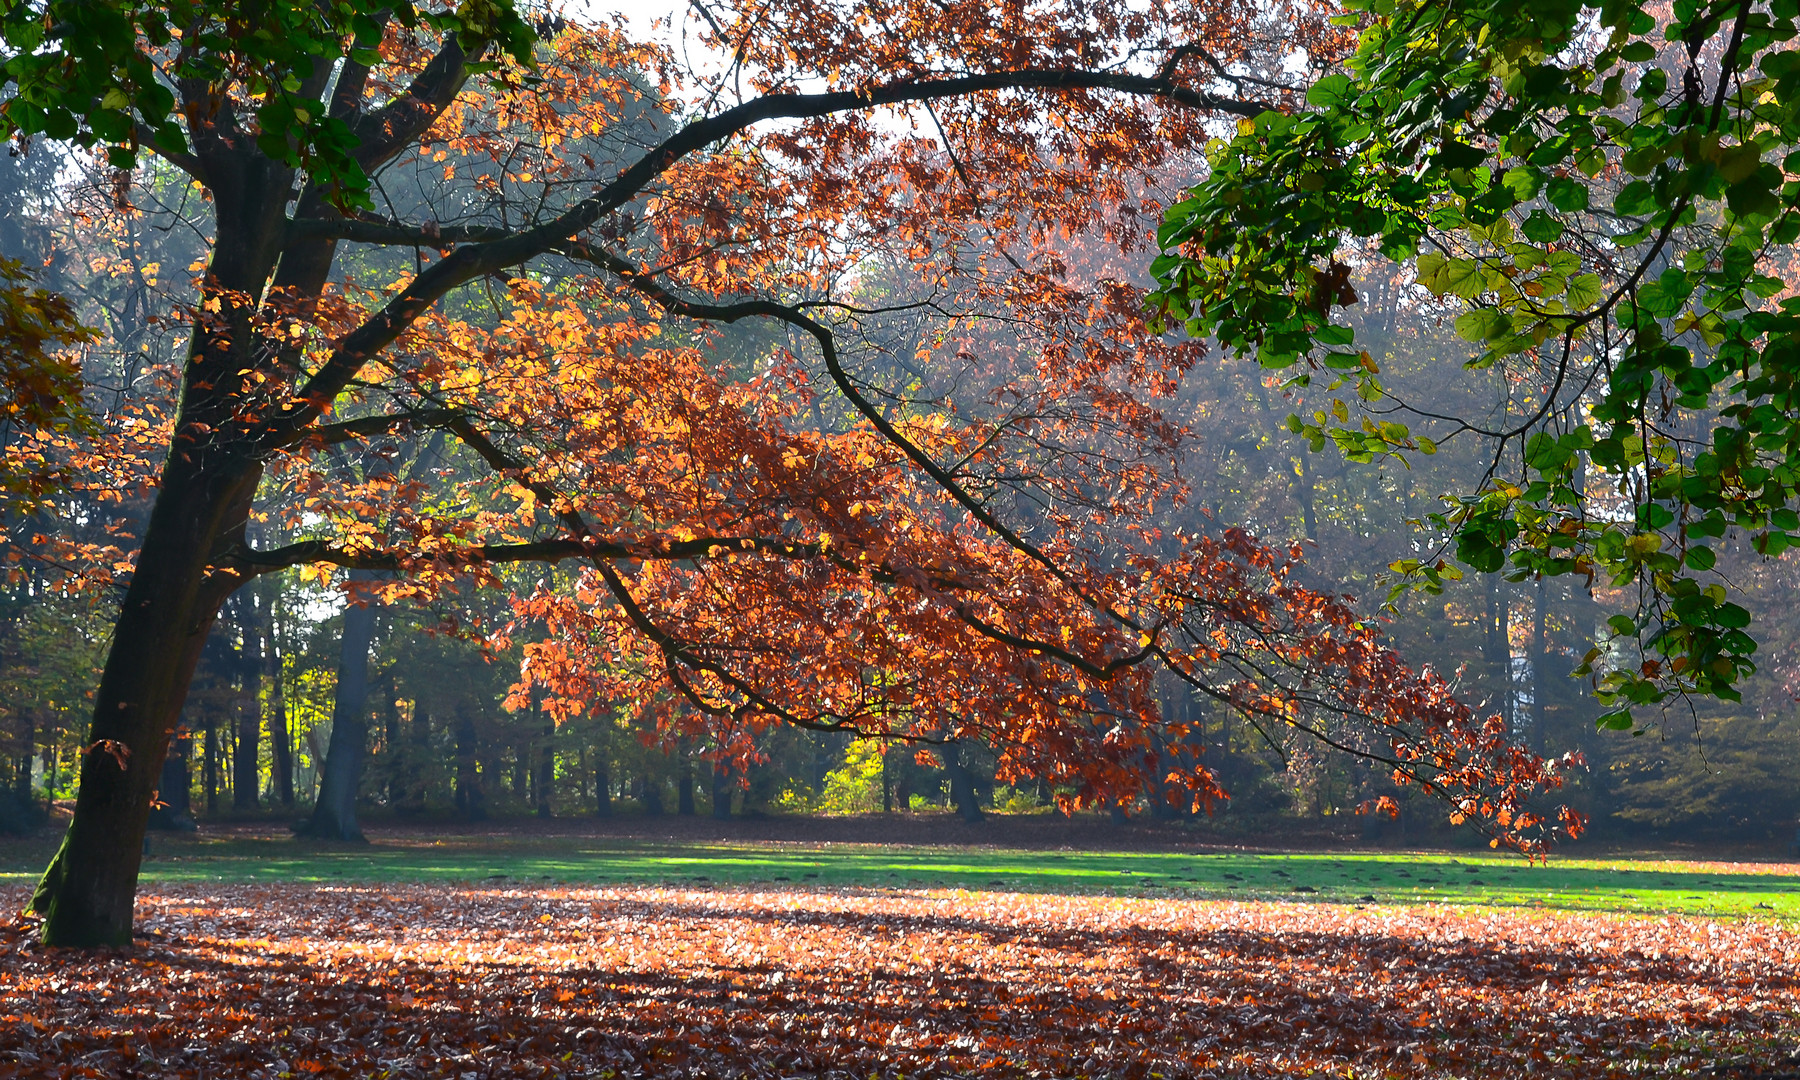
<point>723,784</point>
<point>396,746</point>
<point>602,788</point>
<point>209,768</point>
<point>27,751</point>
<point>334,815</point>
<point>470,802</point>
<point>416,778</point>
<point>202,503</point>
<point>281,742</point>
<point>651,789</point>
<point>174,811</point>
<point>86,894</point>
<point>546,770</point>
<point>1540,660</point>
<point>1497,647</point>
<point>962,784</point>
<point>684,799</point>
<point>246,774</point>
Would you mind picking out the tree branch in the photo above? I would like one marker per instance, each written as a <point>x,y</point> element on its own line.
<point>387,131</point>
<point>477,260</point>
<point>250,563</point>
<point>386,231</point>
<point>186,162</point>
<point>381,424</point>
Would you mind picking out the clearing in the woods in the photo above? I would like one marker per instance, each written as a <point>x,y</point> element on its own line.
<point>706,951</point>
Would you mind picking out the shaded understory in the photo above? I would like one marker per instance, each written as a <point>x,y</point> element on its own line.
<point>470,981</point>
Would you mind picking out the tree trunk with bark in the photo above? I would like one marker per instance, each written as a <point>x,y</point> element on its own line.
<point>27,751</point>
<point>962,785</point>
<point>174,810</point>
<point>1540,661</point>
<point>395,742</point>
<point>546,770</point>
<point>724,782</point>
<point>281,742</point>
<point>86,894</point>
<point>246,772</point>
<point>602,789</point>
<point>420,754</point>
<point>334,815</point>
<point>650,789</point>
<point>196,525</point>
<point>684,799</point>
<point>470,803</point>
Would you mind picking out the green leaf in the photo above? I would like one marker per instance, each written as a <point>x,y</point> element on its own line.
<point>1544,453</point>
<point>1329,91</point>
<point>1614,721</point>
<point>1568,194</point>
<point>1584,291</point>
<point>1523,181</point>
<point>1483,324</point>
<point>1731,616</point>
<point>1541,228</point>
<point>1457,277</point>
<point>1635,199</point>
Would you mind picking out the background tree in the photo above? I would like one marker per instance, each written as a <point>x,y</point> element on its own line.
<point>1600,197</point>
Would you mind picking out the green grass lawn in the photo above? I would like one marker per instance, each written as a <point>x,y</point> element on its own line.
<point>1637,885</point>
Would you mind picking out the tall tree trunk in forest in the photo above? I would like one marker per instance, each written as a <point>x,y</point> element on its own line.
<point>962,784</point>
<point>470,802</point>
<point>27,751</point>
<point>334,815</point>
<point>396,745</point>
<point>209,766</point>
<point>281,741</point>
<point>196,523</point>
<point>421,749</point>
<point>684,799</point>
<point>246,773</point>
<point>723,784</point>
<point>651,796</point>
<point>1304,487</point>
<point>546,769</point>
<point>602,787</point>
<point>887,779</point>
<point>1497,647</point>
<point>175,810</point>
<point>1540,659</point>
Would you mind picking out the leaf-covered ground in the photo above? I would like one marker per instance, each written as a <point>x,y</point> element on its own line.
<point>436,980</point>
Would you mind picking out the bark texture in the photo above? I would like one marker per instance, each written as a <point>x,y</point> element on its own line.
<point>334,815</point>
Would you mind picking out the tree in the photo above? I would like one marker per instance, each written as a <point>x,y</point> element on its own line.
<point>918,513</point>
<point>1600,196</point>
<point>334,813</point>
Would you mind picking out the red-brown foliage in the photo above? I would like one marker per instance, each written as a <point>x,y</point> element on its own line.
<point>447,981</point>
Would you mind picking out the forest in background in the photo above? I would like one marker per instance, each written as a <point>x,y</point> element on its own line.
<point>447,736</point>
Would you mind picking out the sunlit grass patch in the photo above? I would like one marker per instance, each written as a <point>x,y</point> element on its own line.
<point>1636,885</point>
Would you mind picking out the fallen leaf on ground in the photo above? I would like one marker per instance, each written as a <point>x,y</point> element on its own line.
<point>434,980</point>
